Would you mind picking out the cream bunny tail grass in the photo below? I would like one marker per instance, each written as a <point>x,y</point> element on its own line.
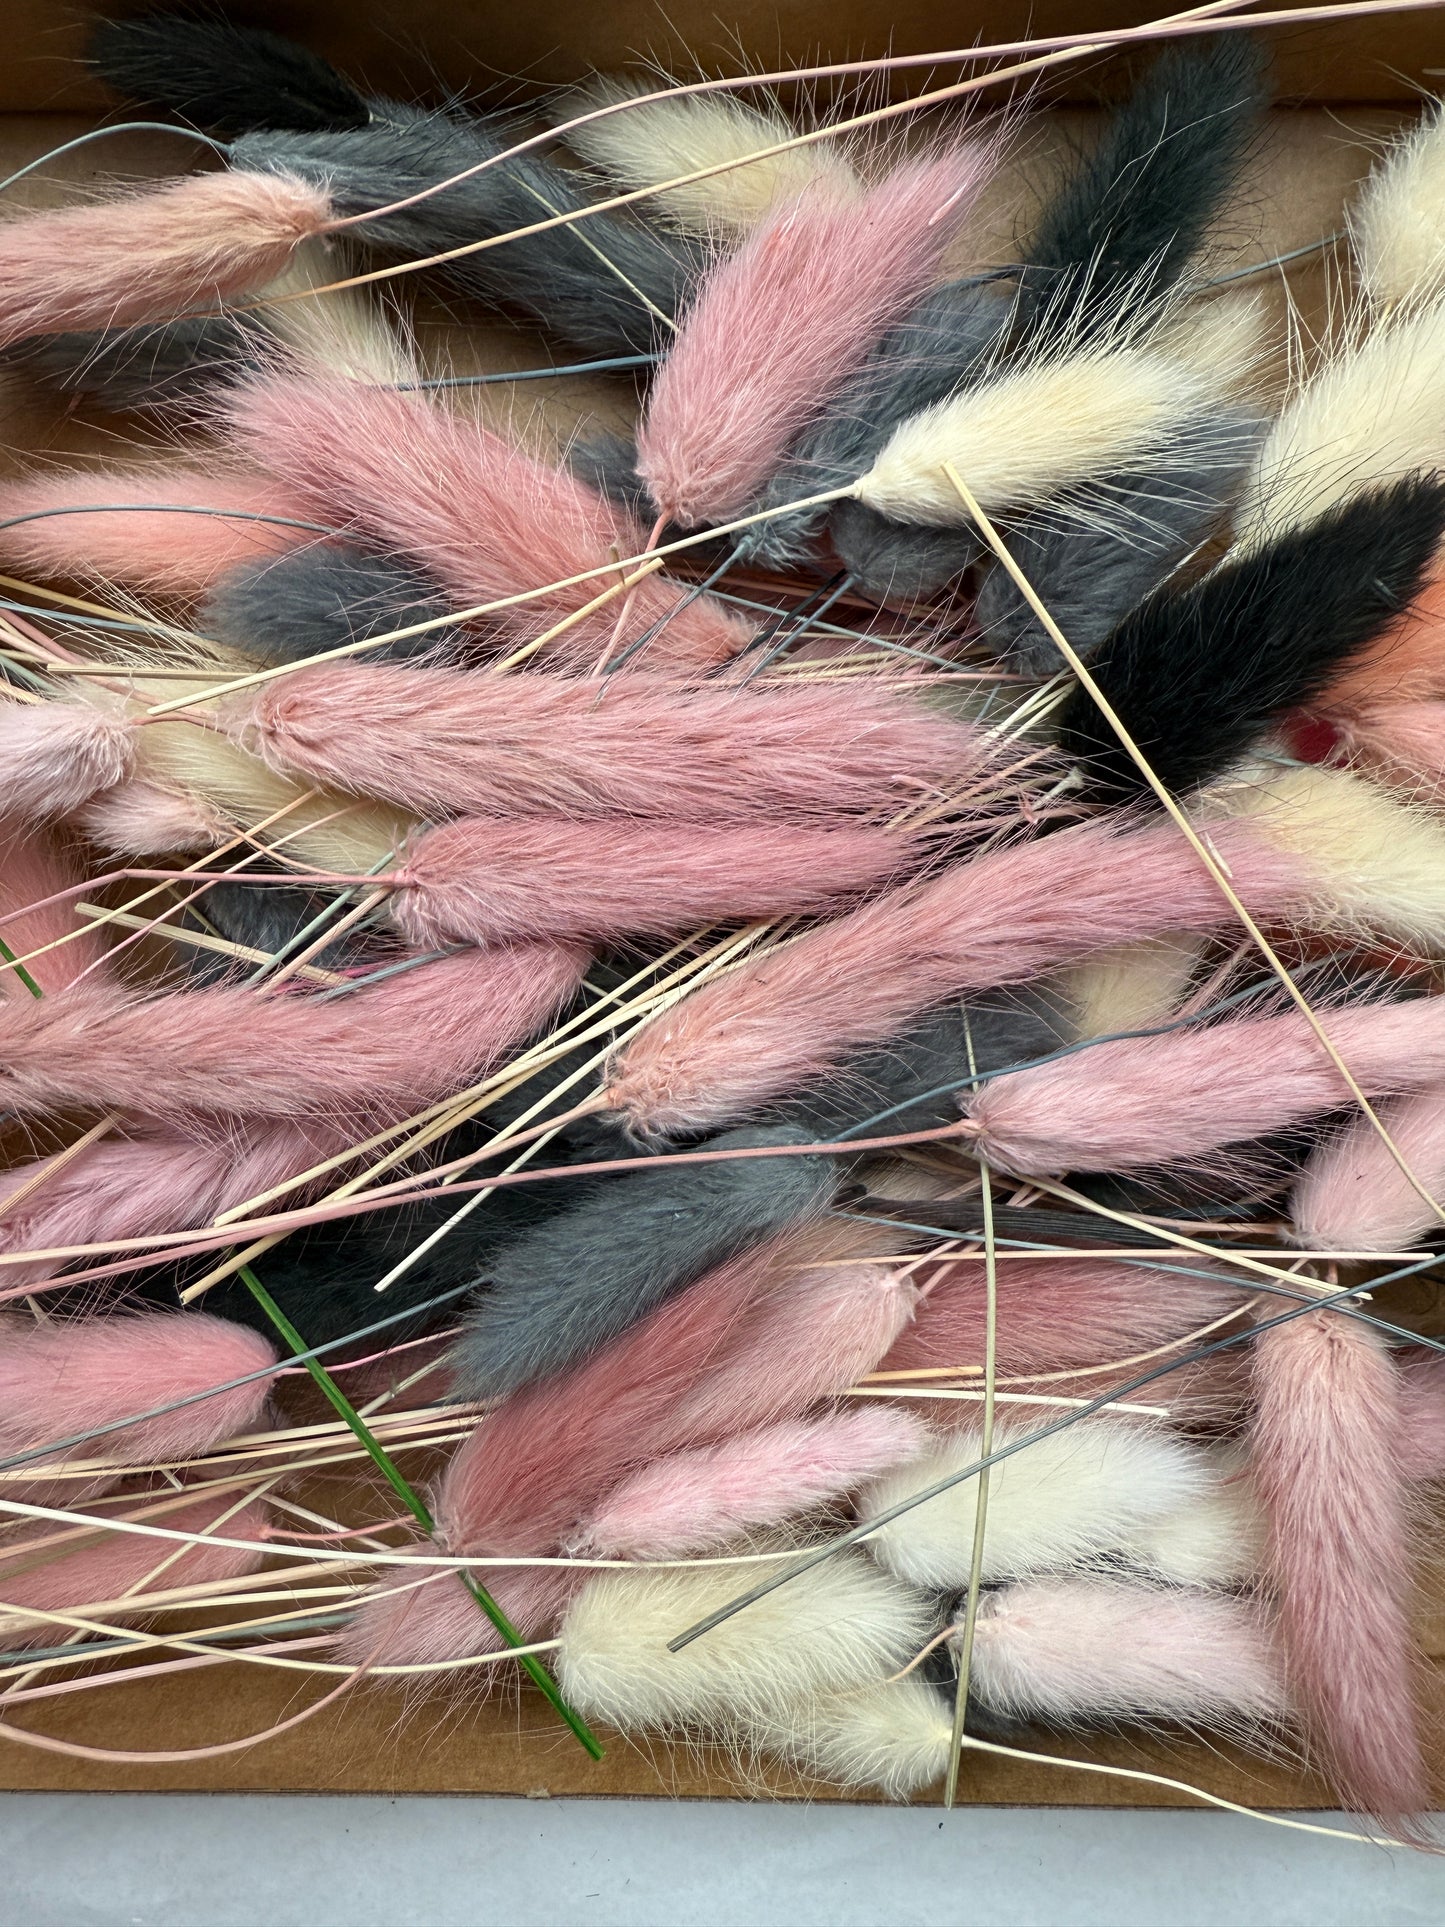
<point>687,132</point>
<point>1064,417</point>
<point>1397,228</point>
<point>1374,412</point>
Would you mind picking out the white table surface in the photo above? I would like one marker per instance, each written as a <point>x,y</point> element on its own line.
<point>105,1860</point>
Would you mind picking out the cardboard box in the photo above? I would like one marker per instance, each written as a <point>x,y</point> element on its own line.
<point>1353,83</point>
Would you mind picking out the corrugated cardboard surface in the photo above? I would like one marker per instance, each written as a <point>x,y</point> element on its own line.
<point>380,1739</point>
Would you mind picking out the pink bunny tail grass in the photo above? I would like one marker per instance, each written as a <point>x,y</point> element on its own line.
<point>1353,1195</point>
<point>122,525</point>
<point>57,1379</point>
<point>1404,664</point>
<point>488,880</point>
<point>151,255</point>
<point>140,818</point>
<point>1421,1377</point>
<point>384,1050</point>
<point>107,1569</point>
<point>1404,742</point>
<point>56,756</point>
<point>1055,1316</point>
<point>488,520</point>
<point>777,328</point>
<point>1325,1459</point>
<point>1079,1651</point>
<point>1004,918</point>
<point>689,1501</point>
<point>1147,1100</point>
<point>821,1330</point>
<point>33,868</point>
<point>146,1186</point>
<point>460,744</point>
<point>541,1460</point>
<point>443,1621</point>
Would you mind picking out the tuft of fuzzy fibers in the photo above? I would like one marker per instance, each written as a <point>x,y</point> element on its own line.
<point>1080,1652</point>
<point>1325,1457</point>
<point>443,1621</point>
<point>783,1021</point>
<point>1198,675</point>
<point>220,76</point>
<point>1076,1496</point>
<point>779,326</point>
<point>814,1335</point>
<point>683,133</point>
<point>1133,213</point>
<point>1054,421</point>
<point>543,1459</point>
<point>1370,864</point>
<point>486,519</point>
<point>1373,412</point>
<point>55,756</point>
<point>152,253</point>
<point>1353,1195</point>
<point>588,1273</point>
<point>107,1569</point>
<point>1147,1100</point>
<point>152,368</point>
<point>686,1502</point>
<point>929,1063</point>
<point>896,1735</point>
<point>840,1625</point>
<point>894,562</point>
<point>387,1049</point>
<point>1092,562</point>
<point>754,1341</point>
<point>946,339</point>
<point>446,743</point>
<point>1131,986</point>
<point>1402,744</point>
<point>1217,1537</point>
<point>286,608</point>
<point>495,880</point>
<point>334,832</point>
<point>1055,1314</point>
<point>1404,665</point>
<point>171,554</point>
<point>56,1379</point>
<point>150,1182</point>
<point>33,867</point>
<point>607,285</point>
<point>1397,229</point>
<point>138,818</point>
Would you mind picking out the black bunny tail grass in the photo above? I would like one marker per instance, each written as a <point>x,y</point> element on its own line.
<point>224,78</point>
<point>1132,215</point>
<point>1200,675</point>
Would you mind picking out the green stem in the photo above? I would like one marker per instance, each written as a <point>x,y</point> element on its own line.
<point>391,1472</point>
<point>7,955</point>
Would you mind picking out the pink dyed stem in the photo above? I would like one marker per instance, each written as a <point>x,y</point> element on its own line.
<point>488,520</point>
